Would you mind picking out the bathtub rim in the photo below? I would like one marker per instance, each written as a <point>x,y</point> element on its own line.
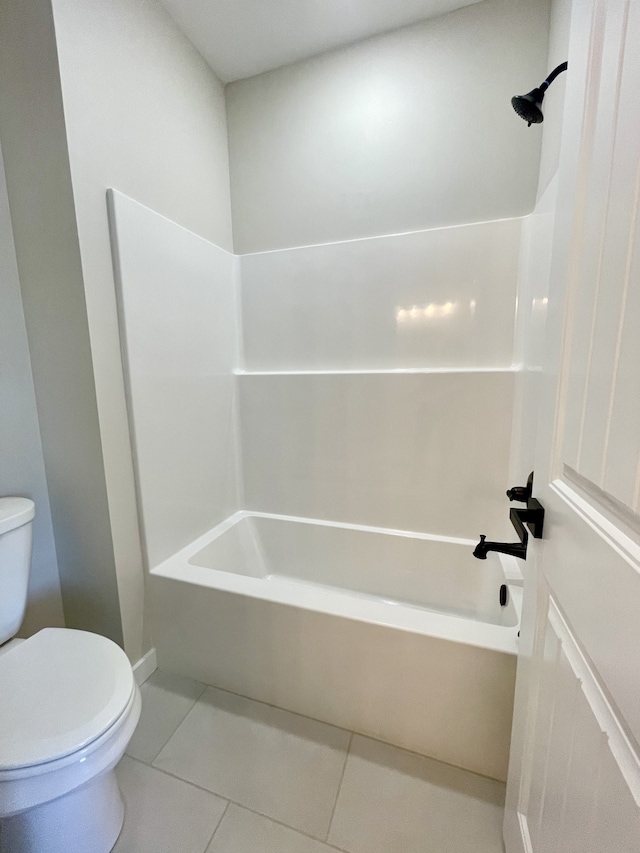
<point>345,603</point>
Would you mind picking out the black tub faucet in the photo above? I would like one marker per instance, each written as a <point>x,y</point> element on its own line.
<point>532,517</point>
<point>516,549</point>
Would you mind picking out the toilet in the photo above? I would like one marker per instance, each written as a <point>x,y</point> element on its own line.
<point>69,705</point>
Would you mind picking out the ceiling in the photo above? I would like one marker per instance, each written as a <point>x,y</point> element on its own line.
<point>240,38</point>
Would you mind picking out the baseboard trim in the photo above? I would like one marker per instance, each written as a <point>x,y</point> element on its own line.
<point>145,667</point>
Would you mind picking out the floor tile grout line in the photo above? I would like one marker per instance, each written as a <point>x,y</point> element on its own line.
<point>344,770</point>
<point>277,708</point>
<point>349,752</point>
<point>293,829</point>
<point>179,778</point>
<point>429,758</point>
<point>218,825</point>
<point>353,733</point>
<point>239,804</point>
<point>204,687</point>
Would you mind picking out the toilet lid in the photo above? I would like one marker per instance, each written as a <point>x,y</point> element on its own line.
<point>59,690</point>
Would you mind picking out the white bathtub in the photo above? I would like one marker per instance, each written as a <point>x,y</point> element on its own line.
<point>400,636</point>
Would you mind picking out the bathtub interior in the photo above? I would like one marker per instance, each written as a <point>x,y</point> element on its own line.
<point>399,568</point>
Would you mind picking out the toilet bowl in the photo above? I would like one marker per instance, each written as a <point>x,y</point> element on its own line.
<point>68,707</point>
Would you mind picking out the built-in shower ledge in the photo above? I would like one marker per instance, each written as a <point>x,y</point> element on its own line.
<point>395,371</point>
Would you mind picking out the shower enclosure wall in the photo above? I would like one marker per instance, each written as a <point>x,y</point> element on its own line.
<point>320,435</point>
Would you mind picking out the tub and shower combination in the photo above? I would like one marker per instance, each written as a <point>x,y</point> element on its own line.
<point>243,396</point>
<point>400,636</point>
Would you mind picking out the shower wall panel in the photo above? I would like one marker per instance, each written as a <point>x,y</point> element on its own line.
<point>377,385</point>
<point>438,298</point>
<point>533,292</point>
<point>426,452</point>
<point>376,388</point>
<point>176,294</point>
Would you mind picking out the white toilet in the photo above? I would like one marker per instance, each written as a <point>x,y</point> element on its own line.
<point>68,707</point>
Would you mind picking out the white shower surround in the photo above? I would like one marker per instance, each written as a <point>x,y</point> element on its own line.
<point>336,425</point>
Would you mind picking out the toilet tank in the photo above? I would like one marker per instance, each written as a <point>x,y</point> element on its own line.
<point>16,515</point>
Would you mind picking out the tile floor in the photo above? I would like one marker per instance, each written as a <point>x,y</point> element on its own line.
<point>211,772</point>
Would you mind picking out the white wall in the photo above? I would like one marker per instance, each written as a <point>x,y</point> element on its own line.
<point>368,395</point>
<point>177,296</point>
<point>402,132</point>
<point>418,445</point>
<point>441,298</point>
<point>415,451</point>
<point>34,147</point>
<point>144,110</point>
<point>144,114</point>
<point>21,461</point>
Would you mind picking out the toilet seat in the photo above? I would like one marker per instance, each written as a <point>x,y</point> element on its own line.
<point>64,689</point>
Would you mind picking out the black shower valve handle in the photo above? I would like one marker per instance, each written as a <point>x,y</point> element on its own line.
<point>518,493</point>
<point>521,493</point>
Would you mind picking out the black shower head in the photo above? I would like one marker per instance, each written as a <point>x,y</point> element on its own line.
<point>528,106</point>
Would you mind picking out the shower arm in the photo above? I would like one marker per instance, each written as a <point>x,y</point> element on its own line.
<point>556,71</point>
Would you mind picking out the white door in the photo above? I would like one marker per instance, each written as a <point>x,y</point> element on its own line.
<point>574,779</point>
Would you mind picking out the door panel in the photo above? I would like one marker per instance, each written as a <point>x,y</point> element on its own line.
<point>606,245</point>
<point>585,777</point>
<point>593,568</point>
<point>574,778</point>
